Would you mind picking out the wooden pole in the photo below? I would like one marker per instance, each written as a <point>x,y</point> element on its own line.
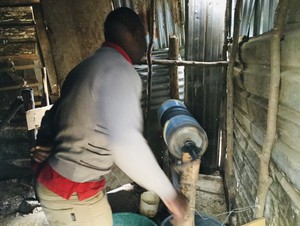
<point>264,180</point>
<point>188,180</point>
<point>29,103</point>
<point>229,175</point>
<point>187,63</point>
<point>46,52</point>
<point>173,74</point>
<point>149,62</point>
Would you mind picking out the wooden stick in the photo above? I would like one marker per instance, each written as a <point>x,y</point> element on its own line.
<point>264,180</point>
<point>149,62</point>
<point>188,180</point>
<point>20,57</point>
<point>173,73</point>
<point>187,63</point>
<point>18,2</point>
<point>229,175</point>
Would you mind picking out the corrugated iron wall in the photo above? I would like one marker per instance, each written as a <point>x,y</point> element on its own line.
<point>169,21</point>
<point>257,16</point>
<point>204,87</point>
<point>170,16</point>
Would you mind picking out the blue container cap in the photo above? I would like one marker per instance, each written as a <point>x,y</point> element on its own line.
<point>171,108</point>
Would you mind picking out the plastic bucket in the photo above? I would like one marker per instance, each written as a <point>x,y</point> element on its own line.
<point>131,219</point>
<point>200,220</point>
<point>149,204</point>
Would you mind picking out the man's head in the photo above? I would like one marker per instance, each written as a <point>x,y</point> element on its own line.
<point>125,28</point>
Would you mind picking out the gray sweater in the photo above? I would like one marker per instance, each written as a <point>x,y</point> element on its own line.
<point>98,121</point>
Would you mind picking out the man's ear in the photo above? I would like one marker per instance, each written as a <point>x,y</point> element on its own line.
<point>138,33</point>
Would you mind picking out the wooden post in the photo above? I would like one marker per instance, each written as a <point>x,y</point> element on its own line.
<point>264,180</point>
<point>173,75</point>
<point>229,175</point>
<point>28,98</point>
<point>188,180</point>
<point>46,53</point>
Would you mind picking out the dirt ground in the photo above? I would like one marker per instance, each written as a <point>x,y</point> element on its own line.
<point>18,206</point>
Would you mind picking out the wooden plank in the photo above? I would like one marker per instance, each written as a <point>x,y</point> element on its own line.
<point>17,68</point>
<point>17,34</point>
<point>31,84</point>
<point>19,57</point>
<point>16,16</point>
<point>17,49</point>
<point>46,52</point>
<point>258,222</point>
<point>18,2</point>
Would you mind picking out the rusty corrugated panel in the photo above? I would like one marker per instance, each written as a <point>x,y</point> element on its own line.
<point>205,86</point>
<point>169,21</point>
<point>170,16</point>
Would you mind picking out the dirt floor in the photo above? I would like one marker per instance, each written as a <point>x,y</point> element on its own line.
<point>18,206</point>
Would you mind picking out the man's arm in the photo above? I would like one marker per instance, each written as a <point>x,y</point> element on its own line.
<point>130,150</point>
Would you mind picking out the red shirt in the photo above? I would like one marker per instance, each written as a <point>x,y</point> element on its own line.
<point>62,186</point>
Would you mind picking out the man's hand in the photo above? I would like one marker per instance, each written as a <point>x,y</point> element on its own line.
<point>178,208</point>
<point>40,153</point>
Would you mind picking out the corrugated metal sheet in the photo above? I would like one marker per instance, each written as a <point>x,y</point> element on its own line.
<point>169,21</point>
<point>205,86</point>
<point>170,16</point>
<point>160,81</point>
<point>257,16</point>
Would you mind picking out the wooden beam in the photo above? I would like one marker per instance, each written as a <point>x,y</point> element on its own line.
<point>173,73</point>
<point>17,68</point>
<point>17,34</point>
<point>19,57</point>
<point>230,183</point>
<point>258,222</point>
<point>18,86</point>
<point>264,179</point>
<point>18,2</point>
<point>187,63</point>
<point>16,16</point>
<point>11,49</point>
<point>46,52</point>
<point>188,180</point>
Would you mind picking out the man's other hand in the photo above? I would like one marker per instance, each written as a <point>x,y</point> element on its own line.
<point>40,153</point>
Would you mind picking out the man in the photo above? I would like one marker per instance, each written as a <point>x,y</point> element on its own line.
<point>98,121</point>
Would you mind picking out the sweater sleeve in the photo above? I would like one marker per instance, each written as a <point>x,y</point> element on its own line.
<point>131,152</point>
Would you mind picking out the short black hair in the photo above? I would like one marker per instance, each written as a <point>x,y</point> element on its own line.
<point>120,18</point>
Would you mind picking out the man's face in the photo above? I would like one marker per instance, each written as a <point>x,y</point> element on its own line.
<point>141,45</point>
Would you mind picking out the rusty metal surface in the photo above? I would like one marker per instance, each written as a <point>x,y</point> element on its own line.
<point>169,20</point>
<point>170,16</point>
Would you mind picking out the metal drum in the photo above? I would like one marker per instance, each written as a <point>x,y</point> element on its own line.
<point>181,132</point>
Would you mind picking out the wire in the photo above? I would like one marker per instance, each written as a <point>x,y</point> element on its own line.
<point>236,210</point>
